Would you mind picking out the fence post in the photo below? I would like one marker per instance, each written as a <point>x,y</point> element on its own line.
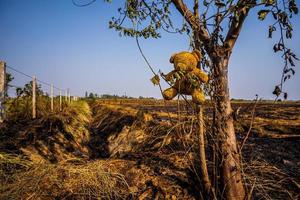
<point>60,101</point>
<point>34,97</point>
<point>2,89</point>
<point>69,96</point>
<point>66,95</point>
<point>51,96</point>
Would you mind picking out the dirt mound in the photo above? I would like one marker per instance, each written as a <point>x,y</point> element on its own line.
<point>53,137</point>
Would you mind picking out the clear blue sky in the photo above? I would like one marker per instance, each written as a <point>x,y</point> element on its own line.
<point>73,48</point>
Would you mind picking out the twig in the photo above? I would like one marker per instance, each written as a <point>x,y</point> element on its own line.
<point>251,123</point>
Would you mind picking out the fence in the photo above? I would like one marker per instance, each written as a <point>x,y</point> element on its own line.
<point>33,88</point>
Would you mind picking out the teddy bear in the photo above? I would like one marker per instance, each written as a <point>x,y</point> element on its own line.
<point>186,64</point>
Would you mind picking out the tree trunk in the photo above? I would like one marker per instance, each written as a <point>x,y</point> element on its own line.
<point>231,177</point>
<point>209,192</point>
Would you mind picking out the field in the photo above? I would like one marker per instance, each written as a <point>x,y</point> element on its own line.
<point>142,149</point>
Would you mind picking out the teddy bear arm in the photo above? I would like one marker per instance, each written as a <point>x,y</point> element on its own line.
<point>170,93</point>
<point>169,76</point>
<point>201,75</point>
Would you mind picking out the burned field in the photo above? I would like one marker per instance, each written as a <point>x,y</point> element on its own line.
<point>142,149</point>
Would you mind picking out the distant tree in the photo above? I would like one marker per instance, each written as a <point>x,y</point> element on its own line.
<point>109,96</point>
<point>91,95</point>
<point>104,96</point>
<point>27,90</point>
<point>86,94</point>
<point>9,79</point>
<point>214,27</point>
<point>19,91</point>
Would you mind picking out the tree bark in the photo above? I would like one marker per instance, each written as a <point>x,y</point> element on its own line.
<point>231,176</point>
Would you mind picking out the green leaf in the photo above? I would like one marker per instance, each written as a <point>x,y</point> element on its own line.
<point>262,14</point>
<point>295,10</point>
<point>277,91</point>
<point>155,80</point>
<point>177,76</point>
<point>181,73</point>
<point>293,7</point>
<point>205,3</point>
<point>271,30</point>
<point>268,2</point>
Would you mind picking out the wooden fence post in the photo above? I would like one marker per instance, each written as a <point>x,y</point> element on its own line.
<point>34,97</point>
<point>52,96</point>
<point>60,101</point>
<point>69,96</point>
<point>2,89</point>
<point>66,95</point>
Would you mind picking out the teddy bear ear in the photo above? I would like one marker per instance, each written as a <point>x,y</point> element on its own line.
<point>172,58</point>
<point>197,54</point>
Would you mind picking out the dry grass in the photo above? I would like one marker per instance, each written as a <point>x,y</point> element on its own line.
<point>21,108</point>
<point>33,177</point>
<point>267,181</point>
<point>52,136</point>
<point>160,153</point>
<point>22,179</point>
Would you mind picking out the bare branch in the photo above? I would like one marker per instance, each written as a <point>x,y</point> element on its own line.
<point>196,8</point>
<point>251,123</point>
<point>194,22</point>
<point>237,23</point>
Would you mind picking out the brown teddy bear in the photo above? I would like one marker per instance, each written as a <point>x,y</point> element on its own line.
<point>185,63</point>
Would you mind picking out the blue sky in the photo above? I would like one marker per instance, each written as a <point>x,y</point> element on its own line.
<point>73,47</point>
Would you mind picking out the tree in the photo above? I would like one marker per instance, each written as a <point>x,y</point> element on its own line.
<point>214,27</point>
<point>91,95</point>
<point>9,79</point>
<point>27,90</point>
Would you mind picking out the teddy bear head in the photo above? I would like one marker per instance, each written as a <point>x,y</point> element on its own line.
<point>186,61</point>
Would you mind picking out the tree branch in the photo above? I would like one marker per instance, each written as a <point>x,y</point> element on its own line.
<point>196,8</point>
<point>237,23</point>
<point>194,22</point>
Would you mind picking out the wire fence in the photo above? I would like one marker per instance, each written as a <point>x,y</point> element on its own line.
<point>24,93</point>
